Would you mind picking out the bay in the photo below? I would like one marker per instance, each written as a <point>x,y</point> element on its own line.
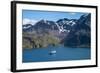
<point>62,54</point>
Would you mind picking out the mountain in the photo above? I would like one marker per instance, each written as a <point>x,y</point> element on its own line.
<point>42,25</point>
<point>26,26</point>
<point>66,22</point>
<point>80,35</point>
<point>69,32</point>
<point>62,25</point>
<point>84,22</point>
<point>45,24</point>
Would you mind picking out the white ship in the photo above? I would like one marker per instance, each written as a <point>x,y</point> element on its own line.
<point>52,52</point>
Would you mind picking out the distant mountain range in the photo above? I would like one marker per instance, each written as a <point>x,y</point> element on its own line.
<point>62,25</point>
<point>71,32</point>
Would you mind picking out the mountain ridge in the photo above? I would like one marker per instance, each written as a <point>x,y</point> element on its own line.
<point>69,32</point>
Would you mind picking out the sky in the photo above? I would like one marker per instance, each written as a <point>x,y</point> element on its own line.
<point>32,16</point>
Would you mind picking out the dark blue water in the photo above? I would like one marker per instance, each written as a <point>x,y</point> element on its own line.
<point>62,54</point>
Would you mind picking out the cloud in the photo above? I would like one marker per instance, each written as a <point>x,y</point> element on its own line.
<point>29,21</point>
